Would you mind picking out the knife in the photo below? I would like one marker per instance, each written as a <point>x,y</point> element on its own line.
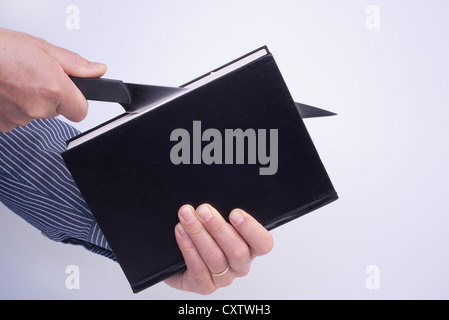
<point>307,111</point>
<point>133,97</point>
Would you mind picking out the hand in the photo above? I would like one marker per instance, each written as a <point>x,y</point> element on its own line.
<point>34,81</point>
<point>215,251</point>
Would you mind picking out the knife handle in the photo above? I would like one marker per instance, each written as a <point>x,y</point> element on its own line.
<point>101,89</point>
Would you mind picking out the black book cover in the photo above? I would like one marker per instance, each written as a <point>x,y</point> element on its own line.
<point>134,189</point>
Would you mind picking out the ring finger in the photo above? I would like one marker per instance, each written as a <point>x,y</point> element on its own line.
<point>208,249</point>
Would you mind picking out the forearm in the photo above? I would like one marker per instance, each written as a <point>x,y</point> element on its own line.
<point>36,185</point>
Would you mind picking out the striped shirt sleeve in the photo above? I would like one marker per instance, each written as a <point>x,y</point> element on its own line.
<point>37,186</point>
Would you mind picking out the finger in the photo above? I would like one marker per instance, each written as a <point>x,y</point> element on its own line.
<point>72,103</point>
<point>228,239</point>
<point>23,121</point>
<point>75,65</point>
<point>208,249</point>
<point>14,118</point>
<point>256,236</point>
<point>6,126</point>
<point>197,277</point>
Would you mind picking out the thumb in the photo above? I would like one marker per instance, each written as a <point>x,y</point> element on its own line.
<point>75,65</point>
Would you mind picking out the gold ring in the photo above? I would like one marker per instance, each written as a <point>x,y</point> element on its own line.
<point>220,273</point>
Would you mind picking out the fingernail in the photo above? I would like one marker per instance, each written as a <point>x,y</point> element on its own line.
<point>204,213</point>
<point>236,217</point>
<point>98,65</point>
<point>182,233</point>
<point>187,214</point>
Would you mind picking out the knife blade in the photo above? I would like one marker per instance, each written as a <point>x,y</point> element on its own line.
<point>307,111</point>
<point>132,97</point>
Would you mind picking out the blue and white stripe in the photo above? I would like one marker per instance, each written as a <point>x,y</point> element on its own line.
<point>36,185</point>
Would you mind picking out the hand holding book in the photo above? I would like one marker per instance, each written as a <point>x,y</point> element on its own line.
<point>215,251</point>
<point>237,133</point>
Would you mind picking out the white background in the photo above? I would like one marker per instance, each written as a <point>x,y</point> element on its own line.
<point>386,151</point>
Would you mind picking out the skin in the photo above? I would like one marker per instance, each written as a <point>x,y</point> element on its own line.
<point>34,83</point>
<point>34,80</point>
<point>209,244</point>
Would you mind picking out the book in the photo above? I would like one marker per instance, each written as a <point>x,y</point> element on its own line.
<point>234,139</point>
